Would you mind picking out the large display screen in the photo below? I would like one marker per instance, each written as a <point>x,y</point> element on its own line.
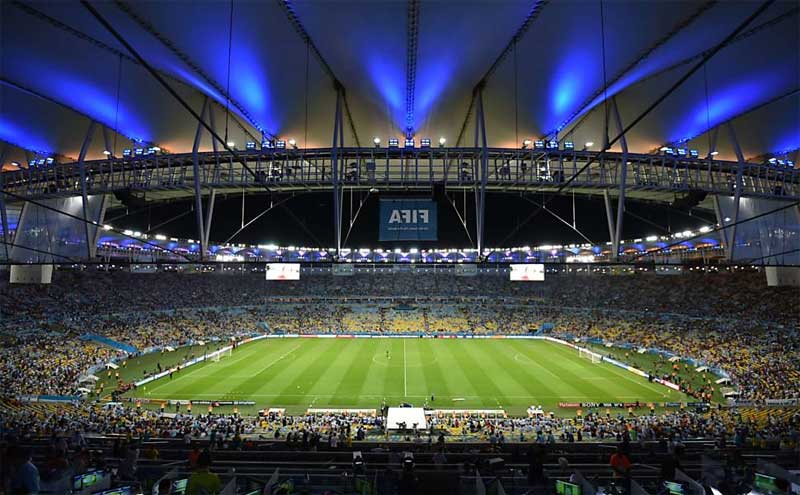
<point>527,273</point>
<point>283,271</point>
<point>411,219</point>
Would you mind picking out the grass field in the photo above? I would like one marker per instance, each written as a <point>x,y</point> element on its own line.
<point>299,373</point>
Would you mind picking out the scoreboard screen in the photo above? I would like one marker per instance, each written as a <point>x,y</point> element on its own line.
<point>527,273</point>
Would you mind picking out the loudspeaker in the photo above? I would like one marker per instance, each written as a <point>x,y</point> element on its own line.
<point>693,198</point>
<point>127,198</point>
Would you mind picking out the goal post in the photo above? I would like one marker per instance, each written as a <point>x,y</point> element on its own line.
<point>221,353</point>
<point>591,356</point>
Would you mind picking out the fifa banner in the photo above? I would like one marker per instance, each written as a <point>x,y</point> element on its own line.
<point>283,271</point>
<point>408,220</point>
<point>533,272</point>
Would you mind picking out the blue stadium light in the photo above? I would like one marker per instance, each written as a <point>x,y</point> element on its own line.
<point>126,152</point>
<point>266,144</point>
<point>667,150</point>
<point>49,161</point>
<point>569,145</point>
<point>250,145</point>
<point>789,163</point>
<point>539,145</point>
<point>393,143</point>
<point>409,143</point>
<point>138,151</point>
<point>552,145</point>
<point>773,160</point>
<point>425,143</point>
<point>681,151</point>
<point>280,144</point>
<point>694,153</point>
<point>32,163</point>
<point>40,161</point>
<point>781,163</point>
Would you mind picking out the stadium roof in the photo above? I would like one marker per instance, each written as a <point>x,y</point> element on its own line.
<point>546,68</point>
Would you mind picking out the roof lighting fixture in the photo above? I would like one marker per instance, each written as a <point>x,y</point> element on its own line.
<point>40,161</point>
<point>442,142</point>
<point>694,153</point>
<point>32,163</point>
<point>231,144</point>
<point>539,145</point>
<point>106,152</point>
<point>714,153</point>
<point>569,145</point>
<point>552,145</point>
<point>526,144</point>
<point>409,143</point>
<point>425,143</point>
<point>280,144</point>
<point>681,151</point>
<point>773,160</point>
<point>789,163</point>
<point>138,151</point>
<point>376,141</point>
<point>393,143</point>
<point>126,152</point>
<point>781,163</point>
<point>588,144</point>
<point>49,161</point>
<point>293,143</point>
<point>15,164</point>
<point>667,150</point>
<point>250,145</point>
<point>265,144</point>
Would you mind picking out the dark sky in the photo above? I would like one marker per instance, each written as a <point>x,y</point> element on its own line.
<point>505,215</point>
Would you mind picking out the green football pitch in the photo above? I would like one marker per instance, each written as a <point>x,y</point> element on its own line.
<point>298,373</point>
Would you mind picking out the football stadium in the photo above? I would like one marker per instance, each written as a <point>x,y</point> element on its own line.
<point>545,247</point>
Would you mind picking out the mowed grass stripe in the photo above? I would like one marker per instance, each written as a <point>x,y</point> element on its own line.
<point>455,383</point>
<point>306,373</point>
<point>354,372</point>
<point>208,375</point>
<point>435,382</point>
<point>540,381</point>
<point>469,359</point>
<point>506,373</point>
<point>376,369</point>
<point>393,379</point>
<point>259,371</point>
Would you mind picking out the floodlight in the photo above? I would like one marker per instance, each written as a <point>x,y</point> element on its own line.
<point>293,143</point>
<point>589,144</point>
<point>693,153</point>
<point>250,145</point>
<point>376,141</point>
<point>231,144</point>
<point>425,143</point>
<point>409,143</point>
<point>526,143</point>
<point>569,145</point>
<point>552,145</point>
<point>280,144</point>
<point>40,161</point>
<point>442,140</point>
<point>126,152</point>
<point>773,160</point>
<point>32,163</point>
<point>139,151</point>
<point>106,152</point>
<point>539,145</point>
<point>393,143</point>
<point>49,161</point>
<point>15,164</point>
<point>681,151</point>
<point>714,153</point>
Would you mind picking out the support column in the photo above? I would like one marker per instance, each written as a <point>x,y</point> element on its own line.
<point>87,140</point>
<point>212,198</point>
<point>198,198</point>
<point>623,179</point>
<point>101,215</point>
<point>107,142</point>
<point>338,141</point>
<point>480,196</point>
<point>609,215</point>
<point>737,194</point>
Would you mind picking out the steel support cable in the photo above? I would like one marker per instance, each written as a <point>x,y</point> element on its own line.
<point>99,44</point>
<point>716,229</point>
<point>532,15</point>
<point>294,20</point>
<point>90,222</point>
<point>150,29</point>
<point>746,34</point>
<point>9,261</point>
<point>684,23</point>
<point>706,57</point>
<point>782,253</point>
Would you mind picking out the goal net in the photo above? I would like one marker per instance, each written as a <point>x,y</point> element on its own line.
<point>587,354</point>
<point>220,354</point>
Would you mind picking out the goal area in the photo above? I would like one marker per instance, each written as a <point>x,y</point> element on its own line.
<point>220,354</point>
<point>587,354</point>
